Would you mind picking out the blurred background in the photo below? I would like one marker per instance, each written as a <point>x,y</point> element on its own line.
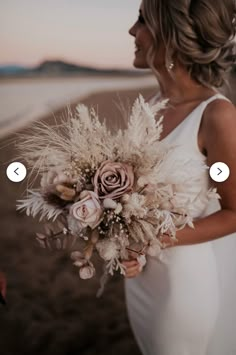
<point>56,53</point>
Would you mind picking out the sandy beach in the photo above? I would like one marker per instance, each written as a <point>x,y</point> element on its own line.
<point>50,310</point>
<point>23,100</point>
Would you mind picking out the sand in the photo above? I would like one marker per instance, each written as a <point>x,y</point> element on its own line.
<point>26,99</point>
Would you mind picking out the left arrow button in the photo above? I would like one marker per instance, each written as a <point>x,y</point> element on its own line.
<point>16,172</point>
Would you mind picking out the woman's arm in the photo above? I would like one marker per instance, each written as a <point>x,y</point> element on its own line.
<point>206,229</point>
<point>219,137</point>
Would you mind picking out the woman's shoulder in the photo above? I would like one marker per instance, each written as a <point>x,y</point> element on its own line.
<point>219,117</point>
<point>219,111</point>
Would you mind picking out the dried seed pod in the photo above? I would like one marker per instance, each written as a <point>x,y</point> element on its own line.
<point>76,255</point>
<point>118,208</point>
<point>108,203</point>
<point>41,239</point>
<point>125,198</point>
<point>94,237</point>
<point>66,193</point>
<point>41,236</point>
<point>88,251</point>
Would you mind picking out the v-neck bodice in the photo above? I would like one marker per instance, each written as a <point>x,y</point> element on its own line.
<point>184,138</point>
<point>186,132</point>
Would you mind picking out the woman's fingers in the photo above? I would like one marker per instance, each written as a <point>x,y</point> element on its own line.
<point>129,263</point>
<point>167,241</point>
<point>133,272</point>
<point>132,268</point>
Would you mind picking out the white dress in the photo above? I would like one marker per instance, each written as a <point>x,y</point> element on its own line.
<point>185,304</point>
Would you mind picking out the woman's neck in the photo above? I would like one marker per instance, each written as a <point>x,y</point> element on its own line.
<point>182,88</point>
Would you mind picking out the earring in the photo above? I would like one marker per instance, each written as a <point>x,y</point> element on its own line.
<point>170,66</point>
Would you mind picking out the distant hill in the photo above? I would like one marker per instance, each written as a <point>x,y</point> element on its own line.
<point>12,69</point>
<point>59,68</point>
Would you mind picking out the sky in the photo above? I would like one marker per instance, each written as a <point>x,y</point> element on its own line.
<point>86,32</point>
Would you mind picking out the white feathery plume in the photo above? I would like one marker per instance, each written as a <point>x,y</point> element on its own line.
<point>143,131</point>
<point>35,205</point>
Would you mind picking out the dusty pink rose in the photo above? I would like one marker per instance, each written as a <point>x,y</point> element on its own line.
<point>88,210</point>
<point>112,180</point>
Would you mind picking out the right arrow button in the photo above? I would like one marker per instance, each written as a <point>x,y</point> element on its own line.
<point>219,172</point>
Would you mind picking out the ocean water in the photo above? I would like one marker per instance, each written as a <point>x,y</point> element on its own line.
<point>25,100</point>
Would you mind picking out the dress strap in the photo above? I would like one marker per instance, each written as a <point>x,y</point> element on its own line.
<point>201,108</point>
<point>195,121</point>
<point>187,131</point>
<point>216,97</point>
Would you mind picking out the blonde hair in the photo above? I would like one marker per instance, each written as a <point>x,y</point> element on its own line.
<point>199,34</point>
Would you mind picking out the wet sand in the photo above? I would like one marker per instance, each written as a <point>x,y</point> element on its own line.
<point>23,100</point>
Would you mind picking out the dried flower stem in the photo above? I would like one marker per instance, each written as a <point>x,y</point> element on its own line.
<point>179,214</point>
<point>135,251</point>
<point>56,234</point>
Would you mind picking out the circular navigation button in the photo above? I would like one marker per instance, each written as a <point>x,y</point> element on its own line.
<point>16,172</point>
<point>219,172</point>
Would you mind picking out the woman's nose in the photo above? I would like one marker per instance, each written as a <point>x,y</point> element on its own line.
<point>132,31</point>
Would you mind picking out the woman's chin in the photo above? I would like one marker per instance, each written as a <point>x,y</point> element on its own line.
<point>139,63</point>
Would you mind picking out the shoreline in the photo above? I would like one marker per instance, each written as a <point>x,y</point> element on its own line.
<point>23,103</point>
<point>39,78</point>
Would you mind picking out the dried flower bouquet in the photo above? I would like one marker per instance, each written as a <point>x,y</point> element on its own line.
<point>110,193</point>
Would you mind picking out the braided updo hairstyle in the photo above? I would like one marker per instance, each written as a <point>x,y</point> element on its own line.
<point>199,34</point>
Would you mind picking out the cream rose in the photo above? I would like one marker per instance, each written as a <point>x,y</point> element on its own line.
<point>86,272</point>
<point>88,210</point>
<point>113,179</point>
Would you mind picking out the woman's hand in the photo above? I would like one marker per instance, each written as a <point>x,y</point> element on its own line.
<point>134,266</point>
<point>167,241</point>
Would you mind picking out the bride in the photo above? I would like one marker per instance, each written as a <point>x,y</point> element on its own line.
<point>184,302</point>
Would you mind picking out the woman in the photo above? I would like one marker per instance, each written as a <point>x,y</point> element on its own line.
<point>184,304</point>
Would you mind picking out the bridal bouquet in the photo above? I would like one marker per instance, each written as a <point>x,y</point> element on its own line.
<point>109,193</point>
